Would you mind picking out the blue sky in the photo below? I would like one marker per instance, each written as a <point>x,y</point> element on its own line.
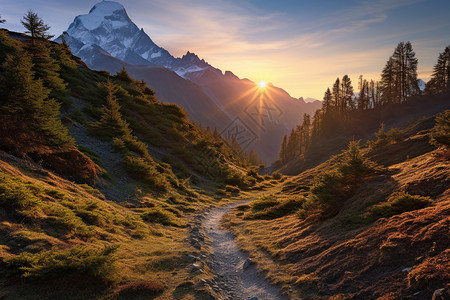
<point>301,46</point>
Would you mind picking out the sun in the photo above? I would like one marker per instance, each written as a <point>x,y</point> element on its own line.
<point>262,84</point>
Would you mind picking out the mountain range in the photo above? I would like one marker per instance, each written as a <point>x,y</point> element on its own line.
<point>107,39</point>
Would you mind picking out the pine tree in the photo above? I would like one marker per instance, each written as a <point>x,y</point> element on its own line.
<point>327,103</point>
<point>47,68</point>
<point>317,129</point>
<point>111,120</point>
<point>306,133</point>
<point>253,158</point>
<point>399,77</point>
<point>26,98</point>
<point>283,150</point>
<point>346,95</point>
<point>440,80</point>
<point>35,26</point>
<point>216,135</point>
<point>388,88</point>
<point>336,92</point>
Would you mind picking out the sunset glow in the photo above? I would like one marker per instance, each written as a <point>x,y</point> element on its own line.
<point>262,84</point>
<point>301,49</point>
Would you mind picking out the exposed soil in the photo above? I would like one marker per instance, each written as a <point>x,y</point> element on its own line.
<point>235,281</point>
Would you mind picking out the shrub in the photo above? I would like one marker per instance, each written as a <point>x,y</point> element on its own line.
<point>264,203</point>
<point>16,194</point>
<point>232,189</point>
<point>328,187</point>
<point>277,175</point>
<point>157,215</point>
<point>397,204</point>
<point>234,179</point>
<point>140,169</point>
<point>283,208</point>
<point>440,134</point>
<point>331,187</point>
<point>91,154</point>
<point>385,138</point>
<point>78,260</point>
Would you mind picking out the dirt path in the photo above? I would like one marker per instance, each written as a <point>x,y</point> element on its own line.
<point>228,261</point>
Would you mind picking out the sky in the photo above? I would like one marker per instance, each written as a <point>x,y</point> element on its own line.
<point>300,46</point>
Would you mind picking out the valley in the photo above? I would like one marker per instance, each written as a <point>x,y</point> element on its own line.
<point>129,173</point>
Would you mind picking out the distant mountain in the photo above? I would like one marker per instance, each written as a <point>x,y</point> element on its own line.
<point>310,100</point>
<point>107,39</point>
<point>421,84</point>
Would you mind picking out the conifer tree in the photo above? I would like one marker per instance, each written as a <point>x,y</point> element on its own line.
<point>111,119</point>
<point>283,150</point>
<point>388,87</point>
<point>216,135</point>
<point>440,80</point>
<point>346,95</point>
<point>26,98</point>
<point>47,68</point>
<point>327,102</point>
<point>399,77</point>
<point>336,92</point>
<point>35,26</point>
<point>305,134</point>
<point>253,158</point>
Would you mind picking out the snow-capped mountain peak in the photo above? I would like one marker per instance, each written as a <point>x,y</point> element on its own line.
<point>107,27</point>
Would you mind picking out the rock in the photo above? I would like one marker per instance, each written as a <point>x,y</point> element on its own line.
<point>406,269</point>
<point>247,263</point>
<point>206,281</point>
<point>253,298</point>
<point>441,294</point>
<point>195,268</point>
<point>191,258</point>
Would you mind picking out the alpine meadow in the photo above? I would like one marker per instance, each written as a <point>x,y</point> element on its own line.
<point>176,167</point>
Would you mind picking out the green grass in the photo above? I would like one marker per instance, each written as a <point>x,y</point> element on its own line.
<point>276,209</point>
<point>164,217</point>
<point>397,204</point>
<point>97,263</point>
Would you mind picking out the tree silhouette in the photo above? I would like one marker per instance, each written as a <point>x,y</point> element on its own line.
<point>440,80</point>
<point>399,77</point>
<point>35,26</point>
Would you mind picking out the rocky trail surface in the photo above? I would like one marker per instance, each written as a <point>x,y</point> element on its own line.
<point>237,276</point>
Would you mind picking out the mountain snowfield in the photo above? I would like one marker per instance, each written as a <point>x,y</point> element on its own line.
<point>108,28</point>
<point>107,39</point>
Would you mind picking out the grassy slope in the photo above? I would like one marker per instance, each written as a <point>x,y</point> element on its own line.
<point>350,255</point>
<point>67,214</point>
<point>44,218</point>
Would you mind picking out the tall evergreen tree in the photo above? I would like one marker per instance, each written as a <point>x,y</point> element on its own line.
<point>336,92</point>
<point>399,78</point>
<point>35,26</point>
<point>327,103</point>
<point>26,98</point>
<point>253,158</point>
<point>111,119</point>
<point>440,80</point>
<point>346,95</point>
<point>306,133</point>
<point>388,86</point>
<point>316,130</point>
<point>283,150</point>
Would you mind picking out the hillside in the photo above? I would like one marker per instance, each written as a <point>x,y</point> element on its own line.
<point>364,124</point>
<point>386,237</point>
<point>99,180</point>
<point>107,39</point>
